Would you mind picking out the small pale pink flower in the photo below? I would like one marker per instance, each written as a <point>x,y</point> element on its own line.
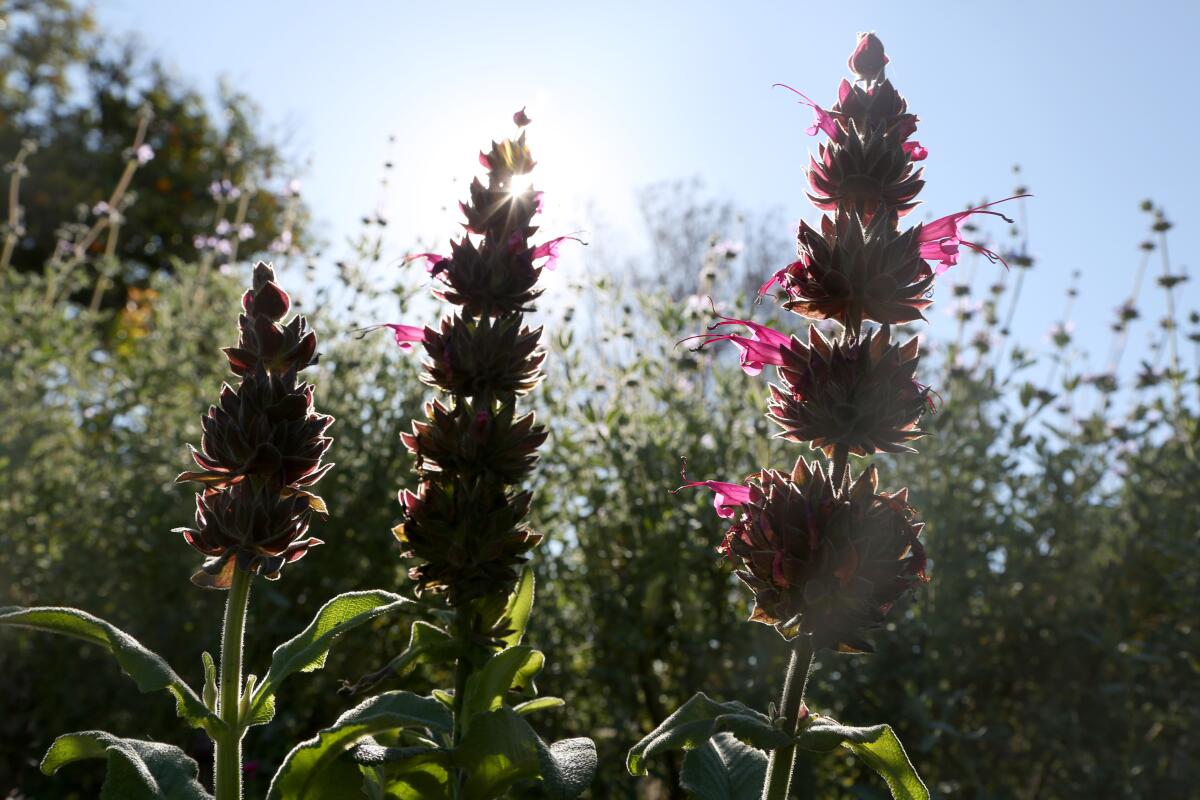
<point>940,240</point>
<point>144,154</point>
<point>822,119</point>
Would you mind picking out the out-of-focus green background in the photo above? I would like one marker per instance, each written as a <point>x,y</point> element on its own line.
<point>1053,655</point>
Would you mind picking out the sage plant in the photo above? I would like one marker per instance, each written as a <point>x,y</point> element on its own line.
<point>260,456</point>
<point>463,529</point>
<point>825,550</point>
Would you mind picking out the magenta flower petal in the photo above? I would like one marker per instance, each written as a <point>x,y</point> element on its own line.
<point>822,119</point>
<point>915,151</point>
<point>778,276</point>
<point>406,335</point>
<point>762,347</point>
<point>727,497</point>
<point>939,240</point>
<point>549,250</point>
<point>431,260</point>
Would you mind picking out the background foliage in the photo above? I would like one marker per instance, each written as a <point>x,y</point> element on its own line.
<point>1052,656</point>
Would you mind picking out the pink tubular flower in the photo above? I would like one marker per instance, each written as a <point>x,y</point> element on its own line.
<point>727,498</point>
<point>431,260</point>
<point>762,347</point>
<point>822,119</point>
<point>778,276</point>
<point>405,335</point>
<point>940,239</point>
<point>549,250</point>
<point>915,151</point>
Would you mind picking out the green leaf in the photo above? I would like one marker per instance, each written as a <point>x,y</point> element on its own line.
<point>137,770</point>
<point>306,651</point>
<point>314,769</point>
<point>696,721</point>
<point>511,669</point>
<point>876,745</point>
<point>886,756</point>
<point>724,769</point>
<point>520,603</point>
<point>567,767</point>
<point>426,643</point>
<point>538,704</point>
<point>210,681</point>
<point>511,613</point>
<point>148,669</point>
<point>499,749</point>
<point>405,773</point>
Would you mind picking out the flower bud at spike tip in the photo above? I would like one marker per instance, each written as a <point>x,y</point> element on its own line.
<point>868,59</point>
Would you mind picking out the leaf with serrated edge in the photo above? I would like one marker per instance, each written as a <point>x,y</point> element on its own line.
<point>149,670</point>
<point>306,651</point>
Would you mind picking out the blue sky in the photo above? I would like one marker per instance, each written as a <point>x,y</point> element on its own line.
<point>1095,100</point>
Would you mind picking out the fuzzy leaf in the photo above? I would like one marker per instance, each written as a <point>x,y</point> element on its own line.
<point>426,643</point>
<point>511,669</point>
<point>306,651</point>
<point>137,770</point>
<point>696,721</point>
<point>567,767</point>
<point>538,704</point>
<point>876,745</point>
<point>314,768</point>
<point>501,749</point>
<point>148,669</point>
<point>724,769</point>
<point>520,603</point>
<point>404,773</point>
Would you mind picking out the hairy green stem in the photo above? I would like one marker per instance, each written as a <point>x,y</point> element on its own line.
<point>782,761</point>
<point>228,767</point>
